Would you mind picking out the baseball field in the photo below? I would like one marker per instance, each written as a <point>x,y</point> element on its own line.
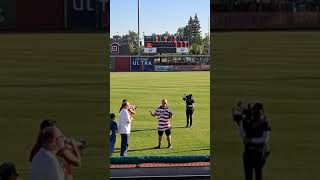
<point>58,76</point>
<point>281,70</point>
<point>146,90</point>
<point>63,76</point>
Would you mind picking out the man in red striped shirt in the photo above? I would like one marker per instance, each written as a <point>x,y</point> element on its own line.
<point>164,115</point>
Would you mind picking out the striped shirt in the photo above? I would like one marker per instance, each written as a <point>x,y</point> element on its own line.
<point>164,116</point>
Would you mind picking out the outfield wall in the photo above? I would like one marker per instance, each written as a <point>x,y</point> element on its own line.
<point>148,64</point>
<point>264,20</point>
<point>56,15</point>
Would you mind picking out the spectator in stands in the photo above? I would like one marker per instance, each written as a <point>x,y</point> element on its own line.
<point>124,127</point>
<point>8,171</point>
<point>45,164</point>
<point>113,131</point>
<point>164,115</point>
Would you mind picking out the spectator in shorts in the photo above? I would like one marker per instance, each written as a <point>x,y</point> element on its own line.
<point>8,171</point>
<point>113,131</point>
<point>164,115</point>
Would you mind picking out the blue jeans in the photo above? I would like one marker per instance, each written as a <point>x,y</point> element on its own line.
<point>124,144</point>
<point>112,143</point>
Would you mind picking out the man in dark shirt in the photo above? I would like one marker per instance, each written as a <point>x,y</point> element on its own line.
<point>188,99</point>
<point>113,131</point>
<point>254,131</point>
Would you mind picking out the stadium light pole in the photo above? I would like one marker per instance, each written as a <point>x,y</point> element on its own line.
<point>139,28</point>
<point>209,35</point>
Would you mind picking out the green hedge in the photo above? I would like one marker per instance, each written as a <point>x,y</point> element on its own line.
<point>159,159</point>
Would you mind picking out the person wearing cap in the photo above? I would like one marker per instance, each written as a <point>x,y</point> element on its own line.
<point>164,115</point>
<point>113,131</point>
<point>124,125</point>
<point>8,171</point>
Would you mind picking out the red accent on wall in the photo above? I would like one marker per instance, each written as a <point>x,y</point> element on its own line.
<point>122,64</point>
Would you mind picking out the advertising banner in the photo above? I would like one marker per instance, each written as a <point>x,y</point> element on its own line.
<point>142,64</point>
<point>164,67</point>
<point>7,14</point>
<point>192,67</point>
<point>183,50</point>
<point>150,50</point>
<point>82,14</point>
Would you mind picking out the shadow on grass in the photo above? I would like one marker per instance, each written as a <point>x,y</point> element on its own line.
<point>190,150</point>
<point>134,150</point>
<point>171,152</point>
<point>154,129</point>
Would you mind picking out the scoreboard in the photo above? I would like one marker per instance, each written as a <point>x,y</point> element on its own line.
<point>166,44</point>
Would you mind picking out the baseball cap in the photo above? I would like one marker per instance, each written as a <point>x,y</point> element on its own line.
<point>7,169</point>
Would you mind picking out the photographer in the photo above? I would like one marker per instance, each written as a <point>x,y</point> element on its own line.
<point>254,131</point>
<point>189,101</point>
<point>68,156</point>
<point>131,110</point>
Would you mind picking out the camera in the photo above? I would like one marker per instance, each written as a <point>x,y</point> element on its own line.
<point>187,97</point>
<point>80,144</point>
<point>134,107</point>
<point>248,112</point>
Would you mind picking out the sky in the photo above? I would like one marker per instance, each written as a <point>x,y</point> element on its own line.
<point>156,16</point>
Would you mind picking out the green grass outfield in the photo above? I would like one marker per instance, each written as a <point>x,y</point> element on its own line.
<point>282,70</point>
<point>146,89</point>
<point>59,76</point>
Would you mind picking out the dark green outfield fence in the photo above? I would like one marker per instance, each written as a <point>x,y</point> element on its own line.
<point>159,159</point>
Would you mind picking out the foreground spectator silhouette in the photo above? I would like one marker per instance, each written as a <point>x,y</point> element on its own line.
<point>68,156</point>
<point>8,171</point>
<point>45,164</point>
